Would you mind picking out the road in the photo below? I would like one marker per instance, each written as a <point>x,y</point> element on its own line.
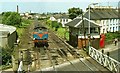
<point>115,54</point>
<point>114,50</point>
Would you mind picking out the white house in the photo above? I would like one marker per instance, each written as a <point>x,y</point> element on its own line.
<point>61,18</point>
<point>52,18</point>
<point>107,18</point>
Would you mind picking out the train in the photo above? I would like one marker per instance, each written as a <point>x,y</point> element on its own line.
<point>40,36</point>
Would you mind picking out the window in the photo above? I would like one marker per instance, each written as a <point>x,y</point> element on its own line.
<point>66,20</point>
<point>60,20</point>
<point>63,20</point>
<point>113,29</point>
<point>110,28</point>
<point>103,30</point>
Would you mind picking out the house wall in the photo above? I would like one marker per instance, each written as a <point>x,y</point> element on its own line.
<point>8,40</point>
<point>84,43</point>
<point>63,21</point>
<point>12,39</point>
<point>108,25</point>
<point>113,25</point>
<point>73,38</point>
<point>52,19</point>
<point>3,38</point>
<point>3,41</point>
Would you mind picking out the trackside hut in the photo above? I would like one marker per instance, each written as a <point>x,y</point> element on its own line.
<point>7,36</point>
<point>78,33</point>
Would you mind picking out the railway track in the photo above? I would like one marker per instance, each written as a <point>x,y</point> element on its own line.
<point>74,53</point>
<point>58,53</point>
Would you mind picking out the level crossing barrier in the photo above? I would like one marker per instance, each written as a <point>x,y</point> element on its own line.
<point>105,60</point>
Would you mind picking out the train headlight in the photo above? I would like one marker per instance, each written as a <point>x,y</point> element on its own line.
<point>33,38</point>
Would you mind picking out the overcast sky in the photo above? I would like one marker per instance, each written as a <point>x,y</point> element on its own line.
<point>41,6</point>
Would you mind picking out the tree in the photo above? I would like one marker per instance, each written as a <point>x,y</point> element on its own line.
<point>11,18</point>
<point>5,16</point>
<point>55,24</point>
<point>74,12</point>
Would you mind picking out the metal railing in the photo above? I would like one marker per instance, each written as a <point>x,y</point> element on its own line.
<point>104,60</point>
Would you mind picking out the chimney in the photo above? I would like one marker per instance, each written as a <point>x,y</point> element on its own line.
<point>17,9</point>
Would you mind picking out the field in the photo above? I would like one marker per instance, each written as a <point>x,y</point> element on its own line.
<point>0,18</point>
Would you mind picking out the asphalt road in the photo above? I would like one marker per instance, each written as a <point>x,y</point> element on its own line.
<point>115,54</point>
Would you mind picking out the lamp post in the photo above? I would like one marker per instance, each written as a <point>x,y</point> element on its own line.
<point>89,22</point>
<point>89,14</point>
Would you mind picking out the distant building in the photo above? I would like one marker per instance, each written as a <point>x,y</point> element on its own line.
<point>107,17</point>
<point>26,15</point>
<point>61,18</point>
<point>52,18</point>
<point>7,35</point>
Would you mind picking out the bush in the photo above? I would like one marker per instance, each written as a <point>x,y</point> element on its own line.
<point>6,55</point>
<point>55,24</point>
<point>111,36</point>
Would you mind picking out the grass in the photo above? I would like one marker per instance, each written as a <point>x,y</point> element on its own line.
<point>0,18</point>
<point>20,29</point>
<point>62,33</point>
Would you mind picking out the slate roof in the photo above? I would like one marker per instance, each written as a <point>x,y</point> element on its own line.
<point>96,14</point>
<point>61,16</point>
<point>73,22</point>
<point>78,23</point>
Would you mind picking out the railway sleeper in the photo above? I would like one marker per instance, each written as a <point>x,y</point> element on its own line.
<point>64,52</point>
<point>71,52</point>
<point>61,53</point>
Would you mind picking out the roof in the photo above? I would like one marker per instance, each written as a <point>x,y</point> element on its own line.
<point>78,23</point>
<point>102,14</point>
<point>61,16</point>
<point>7,29</point>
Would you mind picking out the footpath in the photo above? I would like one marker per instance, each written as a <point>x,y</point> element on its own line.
<point>111,47</point>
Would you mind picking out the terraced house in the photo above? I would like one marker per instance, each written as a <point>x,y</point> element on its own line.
<point>107,18</point>
<point>102,20</point>
<point>61,18</point>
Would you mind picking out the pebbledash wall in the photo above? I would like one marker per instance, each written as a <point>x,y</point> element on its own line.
<point>7,36</point>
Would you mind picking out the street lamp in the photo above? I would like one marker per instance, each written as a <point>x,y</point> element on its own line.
<point>89,14</point>
<point>89,22</point>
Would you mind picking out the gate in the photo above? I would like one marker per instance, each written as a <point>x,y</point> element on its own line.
<point>104,60</point>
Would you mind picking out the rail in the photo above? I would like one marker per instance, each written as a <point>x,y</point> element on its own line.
<point>104,60</point>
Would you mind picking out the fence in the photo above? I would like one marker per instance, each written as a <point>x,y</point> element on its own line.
<point>104,60</point>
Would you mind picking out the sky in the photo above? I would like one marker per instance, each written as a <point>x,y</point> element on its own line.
<point>44,6</point>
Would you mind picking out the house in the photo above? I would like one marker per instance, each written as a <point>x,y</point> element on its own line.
<point>61,18</point>
<point>26,15</point>
<point>8,36</point>
<point>107,18</point>
<point>78,32</point>
<point>52,18</point>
